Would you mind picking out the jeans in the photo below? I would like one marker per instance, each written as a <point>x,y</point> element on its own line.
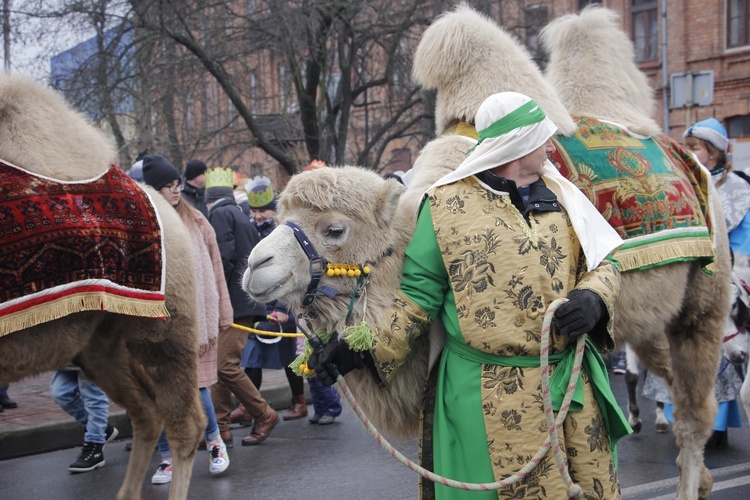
<point>212,428</point>
<point>83,400</point>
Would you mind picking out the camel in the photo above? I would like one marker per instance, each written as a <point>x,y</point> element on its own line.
<point>672,314</point>
<point>734,349</point>
<point>147,366</point>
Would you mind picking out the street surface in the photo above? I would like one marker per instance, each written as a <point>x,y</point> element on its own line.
<point>342,461</point>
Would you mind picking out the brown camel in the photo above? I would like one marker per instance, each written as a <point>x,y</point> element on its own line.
<point>147,366</point>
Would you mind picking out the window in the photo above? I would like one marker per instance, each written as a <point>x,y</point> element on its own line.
<point>584,3</point>
<point>738,23</point>
<point>254,92</point>
<point>738,126</point>
<point>401,77</point>
<point>400,159</point>
<point>287,102</point>
<point>645,30</point>
<point>535,19</point>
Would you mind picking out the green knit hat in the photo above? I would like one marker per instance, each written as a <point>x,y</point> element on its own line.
<point>260,194</point>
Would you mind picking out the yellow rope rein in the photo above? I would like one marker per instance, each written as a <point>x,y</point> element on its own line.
<point>263,332</point>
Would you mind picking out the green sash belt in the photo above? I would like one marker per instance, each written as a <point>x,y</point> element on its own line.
<point>614,421</point>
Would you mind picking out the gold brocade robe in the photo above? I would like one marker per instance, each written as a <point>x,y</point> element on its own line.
<point>502,273</point>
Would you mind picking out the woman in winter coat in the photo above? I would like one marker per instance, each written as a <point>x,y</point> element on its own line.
<point>212,302</point>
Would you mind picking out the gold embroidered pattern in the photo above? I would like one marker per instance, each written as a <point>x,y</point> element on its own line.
<point>531,229</point>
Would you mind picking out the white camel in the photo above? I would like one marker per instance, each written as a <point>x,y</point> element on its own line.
<point>671,314</point>
<point>147,366</point>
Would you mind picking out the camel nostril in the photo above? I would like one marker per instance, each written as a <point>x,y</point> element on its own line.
<point>259,264</point>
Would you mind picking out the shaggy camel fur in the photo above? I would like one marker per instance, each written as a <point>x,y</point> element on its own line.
<point>149,367</point>
<point>466,58</point>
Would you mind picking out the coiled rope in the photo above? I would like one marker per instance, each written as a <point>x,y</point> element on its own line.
<point>574,490</point>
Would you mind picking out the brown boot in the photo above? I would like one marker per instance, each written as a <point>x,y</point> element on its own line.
<point>261,430</point>
<point>226,436</point>
<point>298,408</point>
<point>241,416</point>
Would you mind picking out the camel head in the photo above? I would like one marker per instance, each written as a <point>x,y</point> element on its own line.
<point>592,67</point>
<point>349,216</point>
<point>467,57</point>
<point>40,132</point>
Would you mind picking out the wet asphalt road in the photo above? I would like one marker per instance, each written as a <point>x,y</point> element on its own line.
<point>342,461</point>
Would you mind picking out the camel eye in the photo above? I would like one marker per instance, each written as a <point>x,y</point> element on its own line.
<point>335,232</point>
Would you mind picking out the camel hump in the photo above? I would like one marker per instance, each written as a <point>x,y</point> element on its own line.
<point>467,57</point>
<point>592,66</point>
<point>42,132</point>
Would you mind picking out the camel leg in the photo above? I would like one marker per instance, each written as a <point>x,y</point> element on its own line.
<point>132,388</point>
<point>157,386</point>
<point>184,431</point>
<point>694,407</point>
<point>631,381</point>
<point>178,404</point>
<point>174,403</point>
<point>173,365</point>
<point>147,425</point>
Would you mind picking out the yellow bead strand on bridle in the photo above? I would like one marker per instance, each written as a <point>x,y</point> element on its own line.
<point>346,270</point>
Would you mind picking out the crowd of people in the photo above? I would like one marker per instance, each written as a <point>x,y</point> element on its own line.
<point>232,361</point>
<point>226,219</point>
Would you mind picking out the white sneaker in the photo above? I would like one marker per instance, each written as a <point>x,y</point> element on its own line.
<point>163,474</point>
<point>218,458</point>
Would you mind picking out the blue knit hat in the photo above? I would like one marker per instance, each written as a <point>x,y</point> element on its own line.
<point>710,130</point>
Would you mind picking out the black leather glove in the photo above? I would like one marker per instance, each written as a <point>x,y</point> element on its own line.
<point>333,359</point>
<point>579,314</point>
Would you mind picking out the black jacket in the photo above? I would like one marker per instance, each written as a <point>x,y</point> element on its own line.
<point>196,197</point>
<point>236,236</point>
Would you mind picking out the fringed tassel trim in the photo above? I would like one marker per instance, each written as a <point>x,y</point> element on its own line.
<point>659,253</point>
<point>75,303</point>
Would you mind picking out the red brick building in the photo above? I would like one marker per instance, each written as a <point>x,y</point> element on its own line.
<point>680,44</point>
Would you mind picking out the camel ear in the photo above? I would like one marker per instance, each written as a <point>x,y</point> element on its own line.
<point>387,202</point>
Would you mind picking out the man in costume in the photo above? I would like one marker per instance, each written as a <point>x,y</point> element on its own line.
<point>496,242</point>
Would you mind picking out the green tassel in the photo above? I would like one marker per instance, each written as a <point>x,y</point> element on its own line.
<point>297,363</point>
<point>358,337</point>
<point>323,335</point>
<point>303,358</point>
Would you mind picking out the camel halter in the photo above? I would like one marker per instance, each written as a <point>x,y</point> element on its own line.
<point>318,265</point>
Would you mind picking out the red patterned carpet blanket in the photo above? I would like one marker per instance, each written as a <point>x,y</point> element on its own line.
<point>652,191</point>
<point>67,247</point>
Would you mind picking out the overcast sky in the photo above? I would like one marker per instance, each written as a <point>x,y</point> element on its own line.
<point>35,41</point>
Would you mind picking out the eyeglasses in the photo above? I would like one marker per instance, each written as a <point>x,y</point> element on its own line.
<point>174,186</point>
